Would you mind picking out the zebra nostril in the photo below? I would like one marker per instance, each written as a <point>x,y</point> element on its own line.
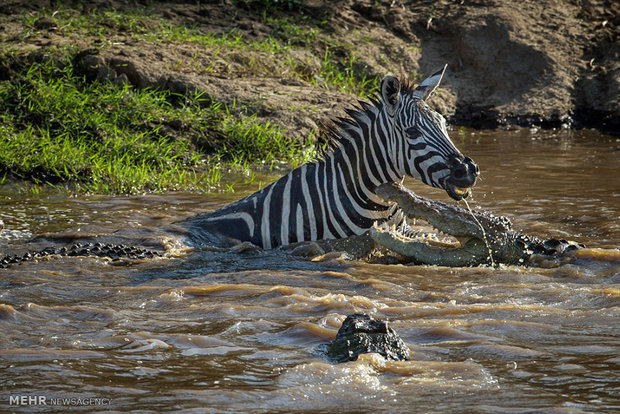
<point>464,172</point>
<point>472,166</point>
<point>460,171</point>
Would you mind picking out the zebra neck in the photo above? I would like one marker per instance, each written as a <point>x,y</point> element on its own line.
<point>363,157</point>
<point>348,173</point>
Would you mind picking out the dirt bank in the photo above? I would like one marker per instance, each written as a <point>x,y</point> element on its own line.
<point>548,62</point>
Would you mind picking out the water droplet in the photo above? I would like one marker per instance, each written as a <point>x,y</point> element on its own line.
<point>484,235</point>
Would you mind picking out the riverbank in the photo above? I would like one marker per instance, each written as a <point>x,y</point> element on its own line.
<point>187,91</point>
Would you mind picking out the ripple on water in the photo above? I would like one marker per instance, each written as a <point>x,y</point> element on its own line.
<point>502,352</point>
<point>28,354</point>
<point>371,381</point>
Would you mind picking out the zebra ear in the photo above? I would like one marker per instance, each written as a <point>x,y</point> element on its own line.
<point>428,85</point>
<point>390,92</point>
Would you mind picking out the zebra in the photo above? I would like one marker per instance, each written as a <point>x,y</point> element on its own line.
<point>393,135</point>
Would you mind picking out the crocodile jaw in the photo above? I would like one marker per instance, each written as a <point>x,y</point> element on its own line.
<point>406,234</point>
<point>431,250</point>
<point>479,235</point>
<point>471,248</point>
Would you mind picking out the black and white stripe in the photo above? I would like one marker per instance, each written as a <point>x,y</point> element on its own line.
<point>396,134</point>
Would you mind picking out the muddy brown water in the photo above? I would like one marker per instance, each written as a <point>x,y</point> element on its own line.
<point>222,331</point>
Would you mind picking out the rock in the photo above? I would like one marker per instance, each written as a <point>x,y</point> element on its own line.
<point>361,334</point>
<point>45,23</point>
<point>310,249</point>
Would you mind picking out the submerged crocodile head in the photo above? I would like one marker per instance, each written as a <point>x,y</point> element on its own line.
<point>479,238</point>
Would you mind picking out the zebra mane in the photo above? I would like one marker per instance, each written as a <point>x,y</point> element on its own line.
<point>407,87</point>
<point>334,132</point>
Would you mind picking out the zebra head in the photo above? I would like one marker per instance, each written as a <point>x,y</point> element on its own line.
<point>424,149</point>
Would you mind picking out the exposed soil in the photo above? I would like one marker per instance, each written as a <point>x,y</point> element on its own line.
<point>526,62</point>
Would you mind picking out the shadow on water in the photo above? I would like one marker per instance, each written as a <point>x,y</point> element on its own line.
<point>230,331</point>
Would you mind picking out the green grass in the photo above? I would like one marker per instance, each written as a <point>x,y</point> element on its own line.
<point>349,75</point>
<point>292,34</point>
<point>57,128</point>
<point>112,25</point>
<point>268,56</point>
<point>344,71</point>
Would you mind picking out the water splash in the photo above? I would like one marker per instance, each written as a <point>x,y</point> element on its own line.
<point>484,235</point>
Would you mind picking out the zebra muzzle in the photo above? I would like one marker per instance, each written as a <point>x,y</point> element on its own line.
<point>463,175</point>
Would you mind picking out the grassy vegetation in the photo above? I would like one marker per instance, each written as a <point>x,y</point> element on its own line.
<point>112,26</point>
<point>55,127</point>
<point>342,70</point>
<point>262,57</point>
<point>345,75</point>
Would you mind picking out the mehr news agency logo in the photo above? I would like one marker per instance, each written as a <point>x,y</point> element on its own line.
<point>25,400</point>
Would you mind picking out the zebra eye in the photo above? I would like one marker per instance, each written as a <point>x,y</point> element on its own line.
<point>413,133</point>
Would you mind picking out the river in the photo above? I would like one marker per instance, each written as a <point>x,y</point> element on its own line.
<point>236,332</point>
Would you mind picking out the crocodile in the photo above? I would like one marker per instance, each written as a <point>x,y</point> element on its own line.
<point>111,251</point>
<point>479,237</point>
<point>362,334</point>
